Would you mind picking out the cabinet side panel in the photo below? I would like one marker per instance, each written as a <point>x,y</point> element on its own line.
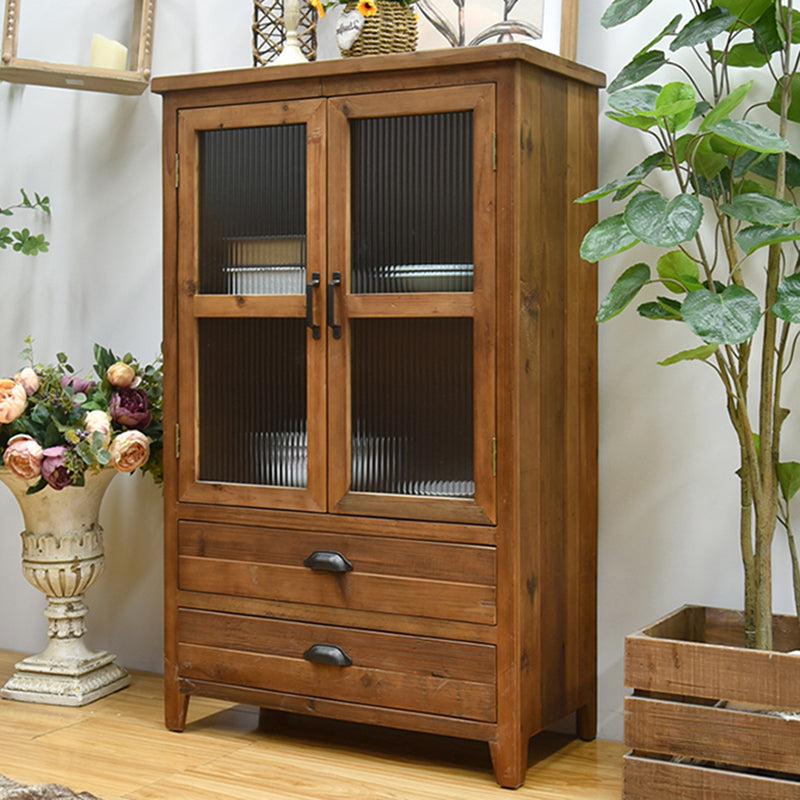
<point>556,369</point>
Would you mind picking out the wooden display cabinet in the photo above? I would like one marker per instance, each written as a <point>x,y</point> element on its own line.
<point>380,499</point>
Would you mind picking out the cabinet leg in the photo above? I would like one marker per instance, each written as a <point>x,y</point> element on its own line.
<point>586,721</point>
<point>510,759</point>
<point>176,704</point>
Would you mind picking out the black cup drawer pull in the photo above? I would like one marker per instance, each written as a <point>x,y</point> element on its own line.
<point>327,561</point>
<point>327,654</point>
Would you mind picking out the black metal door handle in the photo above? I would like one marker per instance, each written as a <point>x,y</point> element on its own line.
<point>336,280</point>
<point>315,330</point>
<point>327,561</point>
<point>327,654</point>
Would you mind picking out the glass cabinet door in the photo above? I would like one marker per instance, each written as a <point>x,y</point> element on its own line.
<point>251,386</point>
<point>411,301</point>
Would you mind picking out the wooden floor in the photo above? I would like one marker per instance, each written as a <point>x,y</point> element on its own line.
<point>118,748</point>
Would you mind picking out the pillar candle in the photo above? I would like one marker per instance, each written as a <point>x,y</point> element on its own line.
<point>107,53</point>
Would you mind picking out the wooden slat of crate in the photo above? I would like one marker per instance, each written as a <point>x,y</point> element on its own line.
<point>738,738</point>
<point>665,780</point>
<point>685,665</point>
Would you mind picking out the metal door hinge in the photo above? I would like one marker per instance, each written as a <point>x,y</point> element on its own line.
<point>177,440</point>
<point>494,151</point>
<point>177,170</point>
<point>494,456</point>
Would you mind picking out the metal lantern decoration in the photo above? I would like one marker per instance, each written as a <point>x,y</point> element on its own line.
<point>269,32</point>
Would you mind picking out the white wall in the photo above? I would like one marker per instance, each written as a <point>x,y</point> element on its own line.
<point>667,492</point>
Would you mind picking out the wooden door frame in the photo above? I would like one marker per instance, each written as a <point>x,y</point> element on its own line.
<point>569,29</point>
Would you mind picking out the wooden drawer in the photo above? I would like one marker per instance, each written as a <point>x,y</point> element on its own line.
<point>412,673</point>
<point>396,576</point>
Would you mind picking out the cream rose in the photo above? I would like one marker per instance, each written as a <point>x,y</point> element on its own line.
<point>29,380</point>
<point>129,450</point>
<point>98,421</point>
<point>13,400</point>
<point>121,375</point>
<point>23,456</point>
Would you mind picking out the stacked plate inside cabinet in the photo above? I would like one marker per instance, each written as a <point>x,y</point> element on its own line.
<point>278,458</point>
<point>432,277</point>
<point>273,279</point>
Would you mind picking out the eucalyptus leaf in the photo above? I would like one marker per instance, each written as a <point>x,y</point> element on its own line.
<point>663,308</point>
<point>788,478</point>
<point>728,317</point>
<point>787,306</point>
<point>678,272</point>
<point>651,218</point>
<point>621,11</point>
<point>761,209</point>
<point>608,237</point>
<point>703,28</point>
<point>750,239</point>
<point>695,354</point>
<point>723,109</point>
<point>644,65</point>
<point>625,288</point>
<point>750,135</point>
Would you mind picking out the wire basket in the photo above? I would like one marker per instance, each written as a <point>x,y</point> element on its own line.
<point>269,32</point>
<point>391,29</point>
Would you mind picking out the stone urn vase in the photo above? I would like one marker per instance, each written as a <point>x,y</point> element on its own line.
<point>62,556</point>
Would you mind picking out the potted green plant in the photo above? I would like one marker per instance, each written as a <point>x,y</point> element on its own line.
<point>729,270</point>
<point>22,240</point>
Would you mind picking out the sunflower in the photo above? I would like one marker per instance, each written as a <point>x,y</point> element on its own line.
<point>367,7</point>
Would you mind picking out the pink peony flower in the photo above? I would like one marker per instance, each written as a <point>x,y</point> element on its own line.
<point>79,385</point>
<point>13,400</point>
<point>28,378</point>
<point>23,456</point>
<point>129,451</point>
<point>53,469</point>
<point>121,375</point>
<point>98,421</point>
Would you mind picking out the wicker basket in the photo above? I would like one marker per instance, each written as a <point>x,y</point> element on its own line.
<point>391,29</point>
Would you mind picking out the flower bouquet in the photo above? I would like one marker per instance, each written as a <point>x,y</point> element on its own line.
<point>55,425</point>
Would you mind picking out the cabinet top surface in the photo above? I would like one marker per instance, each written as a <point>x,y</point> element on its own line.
<point>451,58</point>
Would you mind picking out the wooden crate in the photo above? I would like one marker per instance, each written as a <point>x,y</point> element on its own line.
<point>689,722</point>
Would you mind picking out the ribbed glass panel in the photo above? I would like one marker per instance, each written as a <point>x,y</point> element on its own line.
<point>253,210</point>
<point>412,406</point>
<point>412,203</point>
<point>252,400</point>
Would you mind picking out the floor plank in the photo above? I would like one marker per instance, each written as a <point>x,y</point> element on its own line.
<point>118,749</point>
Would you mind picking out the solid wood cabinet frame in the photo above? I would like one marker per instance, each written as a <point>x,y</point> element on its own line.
<point>464,616</point>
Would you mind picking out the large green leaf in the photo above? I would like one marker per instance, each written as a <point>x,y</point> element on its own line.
<point>678,272</point>
<point>750,135</point>
<point>640,172</point>
<point>642,123</point>
<point>744,54</point>
<point>728,317</point>
<point>695,354</point>
<point>787,306</point>
<point>636,99</point>
<point>637,70</point>
<point>748,11</point>
<point>761,209</point>
<point>703,28</point>
<point>625,288</point>
<point>621,11</point>
<point>654,220</point>
<point>663,308</point>
<point>675,105</point>
<point>607,188</point>
<point>750,239</point>
<point>788,478</point>
<point>793,112</point>
<point>723,109</point>
<point>608,237</point>
<point>767,167</point>
<point>768,35</point>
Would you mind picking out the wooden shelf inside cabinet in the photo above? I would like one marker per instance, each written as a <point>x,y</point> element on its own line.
<point>75,76</point>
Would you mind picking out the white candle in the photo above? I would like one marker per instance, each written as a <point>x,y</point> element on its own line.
<point>107,53</point>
